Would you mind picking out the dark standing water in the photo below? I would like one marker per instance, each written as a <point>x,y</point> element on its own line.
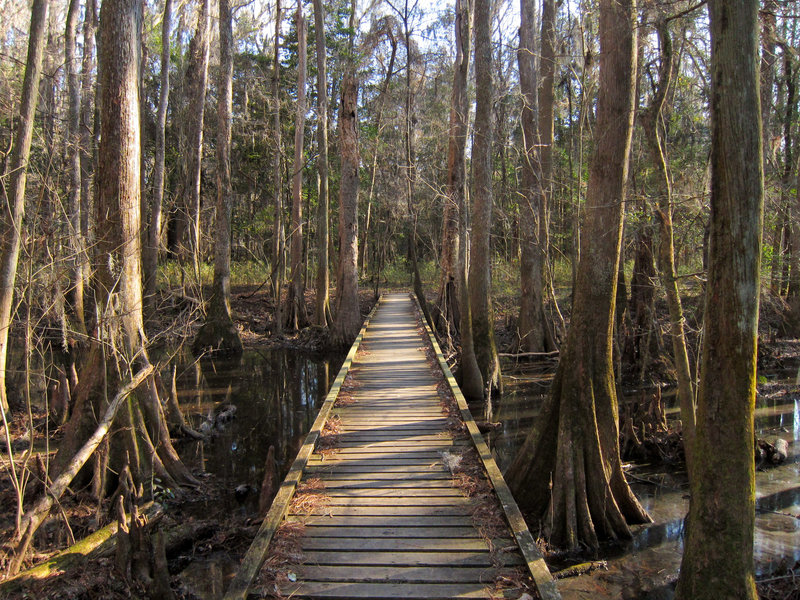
<point>265,398</point>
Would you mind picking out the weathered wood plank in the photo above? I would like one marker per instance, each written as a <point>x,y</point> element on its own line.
<point>382,532</point>
<point>391,521</point>
<point>426,591</point>
<point>343,544</point>
<point>412,559</point>
<point>369,510</point>
<point>395,574</point>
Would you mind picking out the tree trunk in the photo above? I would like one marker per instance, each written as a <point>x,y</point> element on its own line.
<point>140,434</point>
<point>718,552</point>
<point>74,166</point>
<point>347,319</point>
<point>278,239</point>
<point>296,304</point>
<point>88,129</point>
<point>196,83</point>
<point>654,124</point>
<point>480,250</point>
<point>447,314</point>
<point>153,236</point>
<point>568,473</point>
<point>218,333</point>
<point>13,207</point>
<point>531,329</point>
<point>323,309</point>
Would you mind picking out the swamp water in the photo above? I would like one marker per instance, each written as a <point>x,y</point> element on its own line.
<point>277,394</point>
<point>648,565</point>
<point>267,397</point>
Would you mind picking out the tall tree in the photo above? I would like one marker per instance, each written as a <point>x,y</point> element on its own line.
<point>153,236</point>
<point>296,302</point>
<point>718,553</point>
<point>654,123</point>
<point>196,83</point>
<point>531,330</point>
<point>88,129</point>
<point>13,208</point>
<point>447,313</point>
<point>119,340</point>
<point>74,164</point>
<point>218,333</point>
<point>323,309</point>
<point>347,319</point>
<point>278,239</point>
<point>480,251</point>
<point>574,446</point>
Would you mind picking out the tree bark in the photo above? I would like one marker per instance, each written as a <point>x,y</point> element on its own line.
<point>153,237</point>
<point>323,309</point>
<point>718,552</point>
<point>654,124</point>
<point>88,129</point>
<point>13,207</point>
<point>347,319</point>
<point>296,304</point>
<point>480,250</point>
<point>218,333</point>
<point>447,313</point>
<point>196,83</point>
<point>74,166</point>
<point>568,473</point>
<point>531,328</point>
<point>278,239</point>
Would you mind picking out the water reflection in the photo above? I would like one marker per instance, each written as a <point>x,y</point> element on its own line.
<point>654,552</point>
<point>265,398</point>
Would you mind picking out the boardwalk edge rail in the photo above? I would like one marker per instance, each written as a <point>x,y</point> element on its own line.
<point>543,580</point>
<point>256,554</point>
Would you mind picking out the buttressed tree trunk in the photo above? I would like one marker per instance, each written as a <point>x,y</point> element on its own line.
<point>218,333</point>
<point>296,303</point>
<point>347,319</point>
<point>140,431</point>
<point>568,472</point>
<point>531,329</point>
<point>447,314</point>
<point>13,208</point>
<point>718,552</point>
<point>323,310</point>
<point>153,236</point>
<point>480,257</point>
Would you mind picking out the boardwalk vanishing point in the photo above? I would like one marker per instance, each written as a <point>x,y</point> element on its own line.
<point>393,495</point>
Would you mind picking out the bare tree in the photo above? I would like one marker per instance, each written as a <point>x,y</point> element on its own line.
<point>323,309</point>
<point>153,237</point>
<point>13,208</point>
<point>718,553</point>
<point>278,239</point>
<point>447,311</point>
<point>480,255</point>
<point>296,303</point>
<point>74,165</point>
<point>218,333</point>
<point>568,473</point>
<point>347,319</point>
<point>196,83</point>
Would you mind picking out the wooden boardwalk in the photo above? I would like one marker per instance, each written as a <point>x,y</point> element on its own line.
<point>383,514</point>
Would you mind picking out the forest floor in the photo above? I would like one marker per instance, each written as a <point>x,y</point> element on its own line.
<point>205,539</point>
